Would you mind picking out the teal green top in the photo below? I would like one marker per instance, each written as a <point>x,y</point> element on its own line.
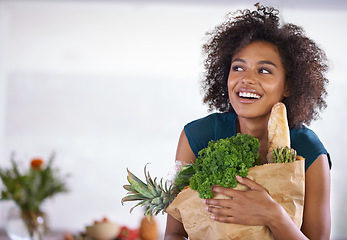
<point>222,125</point>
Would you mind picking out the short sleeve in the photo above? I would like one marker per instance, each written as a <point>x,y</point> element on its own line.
<point>308,145</point>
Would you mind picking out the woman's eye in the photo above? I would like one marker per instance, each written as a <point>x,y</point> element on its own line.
<point>265,71</point>
<point>237,68</point>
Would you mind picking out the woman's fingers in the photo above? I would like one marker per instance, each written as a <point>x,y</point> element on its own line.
<point>230,192</point>
<point>248,207</point>
<point>221,203</point>
<point>221,211</point>
<point>225,219</point>
<point>226,215</point>
<point>221,214</point>
<point>225,191</point>
<point>249,183</point>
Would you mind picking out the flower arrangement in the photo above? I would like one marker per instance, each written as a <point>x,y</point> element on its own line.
<point>28,189</point>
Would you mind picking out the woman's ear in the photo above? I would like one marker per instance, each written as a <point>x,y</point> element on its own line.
<point>286,92</point>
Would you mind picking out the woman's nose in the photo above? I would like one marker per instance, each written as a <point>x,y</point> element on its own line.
<point>248,78</point>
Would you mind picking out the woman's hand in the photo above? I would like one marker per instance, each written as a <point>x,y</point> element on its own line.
<point>252,207</point>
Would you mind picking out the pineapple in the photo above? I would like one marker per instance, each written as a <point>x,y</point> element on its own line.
<point>155,197</point>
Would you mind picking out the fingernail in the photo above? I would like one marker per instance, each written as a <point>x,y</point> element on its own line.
<point>204,201</point>
<point>206,208</point>
<point>238,177</point>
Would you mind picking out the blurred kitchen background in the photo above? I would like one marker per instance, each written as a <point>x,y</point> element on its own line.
<point>109,85</point>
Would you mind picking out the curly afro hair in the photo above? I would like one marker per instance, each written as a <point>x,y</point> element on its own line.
<point>304,62</point>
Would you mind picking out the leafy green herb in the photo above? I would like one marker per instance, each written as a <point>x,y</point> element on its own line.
<point>221,160</point>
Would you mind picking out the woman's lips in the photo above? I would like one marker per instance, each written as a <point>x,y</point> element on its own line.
<point>248,96</point>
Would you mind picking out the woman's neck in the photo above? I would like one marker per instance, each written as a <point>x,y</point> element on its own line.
<point>258,129</point>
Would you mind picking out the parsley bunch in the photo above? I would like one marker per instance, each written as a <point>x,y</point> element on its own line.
<point>221,160</point>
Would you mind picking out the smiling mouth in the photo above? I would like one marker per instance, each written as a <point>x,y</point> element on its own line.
<point>248,95</point>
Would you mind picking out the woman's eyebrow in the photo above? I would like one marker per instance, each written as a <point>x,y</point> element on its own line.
<point>267,62</point>
<point>238,60</point>
<point>260,62</point>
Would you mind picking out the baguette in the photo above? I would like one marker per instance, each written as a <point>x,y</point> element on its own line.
<point>278,129</point>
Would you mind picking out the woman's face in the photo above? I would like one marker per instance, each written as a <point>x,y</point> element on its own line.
<point>256,80</point>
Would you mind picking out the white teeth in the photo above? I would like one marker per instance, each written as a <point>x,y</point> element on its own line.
<point>249,95</point>
<point>255,96</point>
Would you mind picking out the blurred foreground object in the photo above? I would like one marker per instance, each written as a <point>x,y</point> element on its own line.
<point>28,189</point>
<point>148,228</point>
<point>104,230</point>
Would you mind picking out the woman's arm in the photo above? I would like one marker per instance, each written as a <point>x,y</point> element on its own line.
<point>174,228</point>
<point>317,218</point>
<point>256,207</point>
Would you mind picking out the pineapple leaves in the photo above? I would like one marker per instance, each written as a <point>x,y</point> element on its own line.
<point>154,196</point>
<point>138,185</point>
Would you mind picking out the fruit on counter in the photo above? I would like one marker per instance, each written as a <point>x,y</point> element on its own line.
<point>148,228</point>
<point>128,234</point>
<point>103,230</point>
<point>105,219</point>
<point>68,236</point>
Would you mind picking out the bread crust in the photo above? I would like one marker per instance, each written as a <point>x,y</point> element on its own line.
<point>278,129</point>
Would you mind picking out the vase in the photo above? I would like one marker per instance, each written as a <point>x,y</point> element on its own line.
<point>26,225</point>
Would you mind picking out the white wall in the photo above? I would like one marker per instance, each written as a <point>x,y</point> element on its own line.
<point>109,85</point>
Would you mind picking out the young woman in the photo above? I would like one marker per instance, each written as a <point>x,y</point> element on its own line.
<point>252,63</point>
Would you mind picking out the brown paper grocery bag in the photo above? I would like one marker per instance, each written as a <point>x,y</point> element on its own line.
<point>285,182</point>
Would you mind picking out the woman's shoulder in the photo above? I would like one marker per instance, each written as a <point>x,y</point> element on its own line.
<point>307,144</point>
<point>212,127</point>
<point>306,137</point>
<point>214,118</point>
